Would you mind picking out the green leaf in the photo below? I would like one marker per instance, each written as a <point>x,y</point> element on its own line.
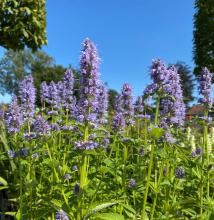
<point>110,216</point>
<point>157,132</point>
<point>3,181</point>
<point>98,208</point>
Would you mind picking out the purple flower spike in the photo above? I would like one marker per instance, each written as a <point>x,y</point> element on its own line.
<point>41,125</point>
<point>180,172</point>
<point>127,100</point>
<point>61,215</point>
<point>159,72</point>
<point>44,92</point>
<point>76,188</point>
<point>102,106</point>
<point>150,89</point>
<point>27,94</point>
<point>13,118</point>
<point>118,122</point>
<point>89,81</point>
<point>205,87</point>
<point>68,89</point>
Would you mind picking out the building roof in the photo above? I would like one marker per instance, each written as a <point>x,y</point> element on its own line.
<point>195,110</point>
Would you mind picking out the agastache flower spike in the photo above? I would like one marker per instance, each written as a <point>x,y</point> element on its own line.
<point>89,81</point>
<point>127,100</point>
<point>44,92</point>
<point>27,94</point>
<point>205,87</point>
<point>54,95</point>
<point>69,86</point>
<point>41,125</point>
<point>102,104</point>
<point>13,118</point>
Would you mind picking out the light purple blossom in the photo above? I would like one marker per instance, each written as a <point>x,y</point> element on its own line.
<point>180,172</point>
<point>11,153</point>
<point>89,82</point>
<point>13,118</point>
<point>118,122</point>
<point>132,183</point>
<point>41,125</point>
<point>27,94</point>
<point>61,215</point>
<point>85,145</point>
<point>205,87</point>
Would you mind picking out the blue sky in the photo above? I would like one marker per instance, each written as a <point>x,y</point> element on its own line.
<point>127,33</point>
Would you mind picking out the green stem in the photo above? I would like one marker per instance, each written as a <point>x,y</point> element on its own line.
<point>157,191</point>
<point>150,165</point>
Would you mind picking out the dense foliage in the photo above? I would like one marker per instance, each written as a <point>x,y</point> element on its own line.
<point>16,65</point>
<point>22,23</point>
<point>71,160</point>
<point>203,35</point>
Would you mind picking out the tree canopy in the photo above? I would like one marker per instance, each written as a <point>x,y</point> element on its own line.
<point>203,52</point>
<point>15,65</point>
<point>22,23</point>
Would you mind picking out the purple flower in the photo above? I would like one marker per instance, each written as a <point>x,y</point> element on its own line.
<point>180,172</point>
<point>41,125</point>
<point>53,112</point>
<point>105,142</point>
<point>118,122</point>
<point>197,152</point>
<point>139,106</point>
<point>67,176</point>
<point>172,105</point>
<point>141,152</point>
<point>1,114</point>
<point>44,92</point>
<point>169,138</point>
<point>30,136</point>
<point>89,81</point>
<point>132,183</point>
<point>75,168</point>
<point>23,152</point>
<point>205,87</point>
<point>159,72</point>
<point>13,117</point>
<point>76,188</point>
<point>11,153</point>
<point>55,127</point>
<point>35,156</point>
<point>102,106</point>
<point>150,89</point>
<point>27,94</point>
<point>61,215</point>
<point>68,91</point>
<point>88,145</point>
<point>54,100</point>
<point>67,128</point>
<point>126,99</point>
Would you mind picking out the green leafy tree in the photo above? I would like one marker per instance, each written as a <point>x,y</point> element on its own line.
<point>15,65</point>
<point>187,81</point>
<point>203,52</point>
<point>111,99</point>
<point>22,23</point>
